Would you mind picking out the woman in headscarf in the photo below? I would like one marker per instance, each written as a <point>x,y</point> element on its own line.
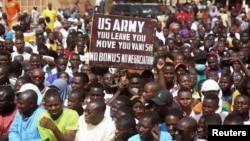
<point>212,86</point>
<point>63,88</point>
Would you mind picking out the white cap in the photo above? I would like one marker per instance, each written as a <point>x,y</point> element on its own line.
<point>30,86</point>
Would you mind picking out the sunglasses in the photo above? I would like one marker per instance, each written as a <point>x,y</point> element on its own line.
<point>37,77</point>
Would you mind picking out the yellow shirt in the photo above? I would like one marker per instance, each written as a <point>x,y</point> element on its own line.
<point>52,46</point>
<point>52,16</point>
<point>196,95</point>
<point>235,93</point>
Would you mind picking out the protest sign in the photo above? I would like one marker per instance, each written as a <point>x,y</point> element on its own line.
<point>122,42</point>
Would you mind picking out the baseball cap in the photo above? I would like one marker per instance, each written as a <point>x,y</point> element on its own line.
<point>181,65</point>
<point>162,97</point>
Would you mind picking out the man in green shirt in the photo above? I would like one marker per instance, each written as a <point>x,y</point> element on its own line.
<point>57,123</point>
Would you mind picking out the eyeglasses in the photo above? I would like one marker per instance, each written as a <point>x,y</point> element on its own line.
<point>37,77</point>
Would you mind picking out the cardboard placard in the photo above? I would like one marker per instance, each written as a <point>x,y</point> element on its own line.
<point>122,42</point>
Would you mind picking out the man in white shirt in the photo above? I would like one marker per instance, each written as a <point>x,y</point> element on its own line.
<point>93,125</point>
<point>20,49</point>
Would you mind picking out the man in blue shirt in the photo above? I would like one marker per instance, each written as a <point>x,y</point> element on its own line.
<point>24,126</point>
<point>148,129</point>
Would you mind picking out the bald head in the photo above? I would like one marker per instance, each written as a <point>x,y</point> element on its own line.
<point>27,102</point>
<point>100,105</point>
<point>29,95</point>
<point>92,77</point>
<point>153,85</point>
<point>37,70</point>
<point>187,124</point>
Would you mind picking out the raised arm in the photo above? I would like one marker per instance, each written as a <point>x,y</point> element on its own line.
<point>160,66</point>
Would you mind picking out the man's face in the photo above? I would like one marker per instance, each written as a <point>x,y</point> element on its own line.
<point>37,77</point>
<point>185,81</point>
<point>74,101</point>
<point>182,134</point>
<point>209,106</point>
<point>85,69</point>
<point>169,73</point>
<point>225,83</point>
<point>50,6</point>
<point>75,60</point>
<point>135,83</point>
<point>19,45</point>
<point>61,64</point>
<point>139,109</point>
<point>77,83</point>
<point>241,105</point>
<point>35,61</point>
<point>148,92</point>
<point>4,60</point>
<point>9,44</point>
<point>171,121</point>
<point>171,44</point>
<point>185,100</point>
<point>80,47</point>
<point>92,114</point>
<point>115,106</point>
<point>54,106</point>
<point>96,93</point>
<point>23,104</point>
<point>200,128</point>
<point>212,63</point>
<point>121,132</point>
<point>108,79</point>
<point>144,128</point>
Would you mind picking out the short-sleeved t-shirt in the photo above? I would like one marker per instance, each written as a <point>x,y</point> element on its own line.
<point>68,120</point>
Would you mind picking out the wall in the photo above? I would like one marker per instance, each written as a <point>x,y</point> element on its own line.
<point>27,5</point>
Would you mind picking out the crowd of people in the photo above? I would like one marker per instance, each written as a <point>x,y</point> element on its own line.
<point>50,92</point>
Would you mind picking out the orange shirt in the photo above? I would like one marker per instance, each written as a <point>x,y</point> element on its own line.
<point>12,9</point>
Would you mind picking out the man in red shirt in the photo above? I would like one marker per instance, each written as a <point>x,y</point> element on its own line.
<point>7,110</point>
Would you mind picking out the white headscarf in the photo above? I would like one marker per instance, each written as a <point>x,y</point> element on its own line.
<point>212,85</point>
<point>30,86</point>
